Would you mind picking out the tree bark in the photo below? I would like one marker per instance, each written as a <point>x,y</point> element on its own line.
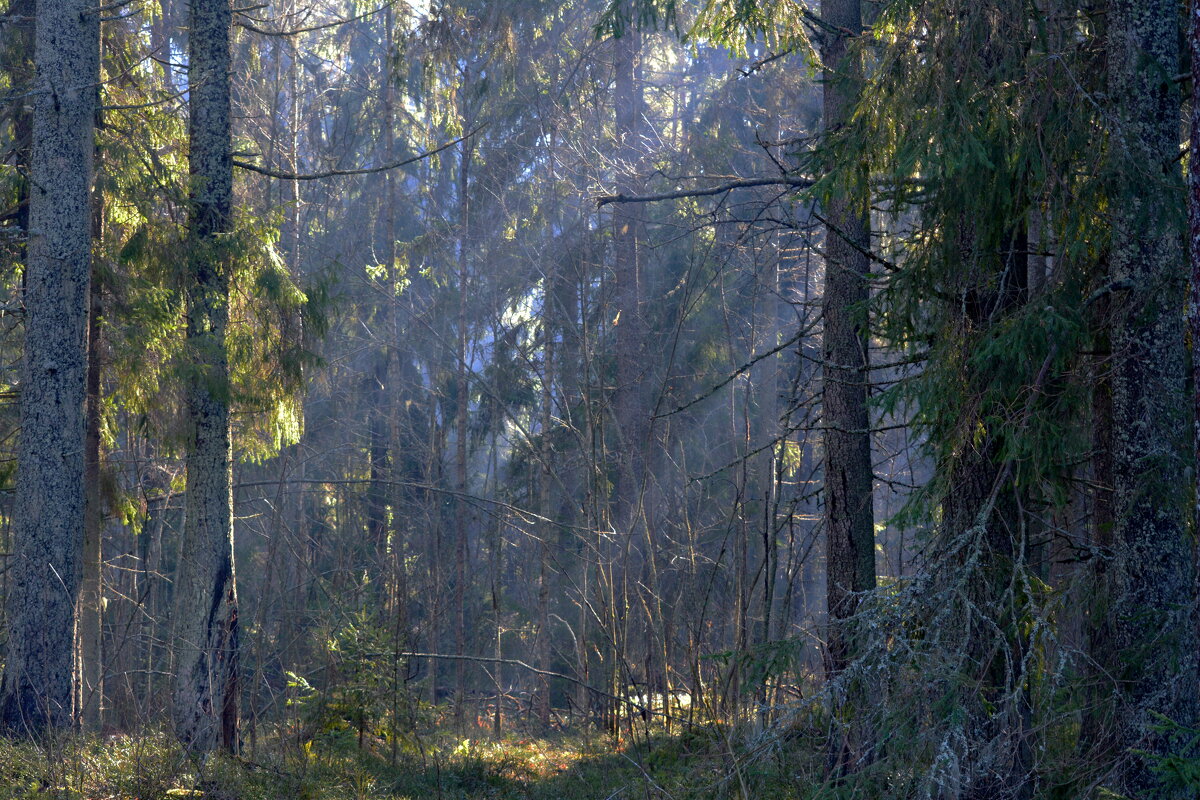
<point>37,691</point>
<point>1153,571</point>
<point>17,61</point>
<point>206,643</point>
<point>547,530</point>
<point>462,394</point>
<point>849,517</point>
<point>91,613</point>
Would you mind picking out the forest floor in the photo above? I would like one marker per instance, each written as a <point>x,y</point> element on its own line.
<point>696,764</point>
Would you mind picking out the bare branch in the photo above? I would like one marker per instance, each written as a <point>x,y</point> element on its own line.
<point>297,31</point>
<point>331,173</point>
<point>745,183</point>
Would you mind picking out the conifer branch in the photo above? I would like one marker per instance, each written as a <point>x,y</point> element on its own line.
<point>332,173</point>
<point>745,183</point>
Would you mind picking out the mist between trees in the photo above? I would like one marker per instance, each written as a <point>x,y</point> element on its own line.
<point>723,399</point>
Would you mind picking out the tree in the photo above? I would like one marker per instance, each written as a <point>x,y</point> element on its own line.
<point>37,693</point>
<point>849,517</point>
<point>1153,572</point>
<point>205,707</point>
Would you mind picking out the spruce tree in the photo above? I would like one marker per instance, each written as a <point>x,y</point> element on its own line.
<point>37,693</point>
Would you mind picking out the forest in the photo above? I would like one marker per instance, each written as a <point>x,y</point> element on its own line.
<point>598,399</point>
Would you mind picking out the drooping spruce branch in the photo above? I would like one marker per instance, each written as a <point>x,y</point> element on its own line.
<point>744,183</point>
<point>333,173</point>
<point>250,26</point>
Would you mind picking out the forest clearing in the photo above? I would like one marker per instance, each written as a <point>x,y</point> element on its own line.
<point>600,399</point>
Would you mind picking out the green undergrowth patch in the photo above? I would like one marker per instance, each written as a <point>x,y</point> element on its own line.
<point>692,764</point>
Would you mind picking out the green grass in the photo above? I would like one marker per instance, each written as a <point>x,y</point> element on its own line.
<point>333,767</point>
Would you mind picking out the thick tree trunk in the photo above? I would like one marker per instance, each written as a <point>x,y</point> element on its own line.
<point>849,518</point>
<point>1153,571</point>
<point>37,691</point>
<point>206,640</point>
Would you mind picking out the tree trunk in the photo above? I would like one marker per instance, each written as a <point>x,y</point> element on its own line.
<point>206,643</point>
<point>629,328</point>
<point>1153,570</point>
<point>91,614</point>
<point>547,529</point>
<point>37,691</point>
<point>17,61</point>
<point>849,517</point>
<point>462,393</point>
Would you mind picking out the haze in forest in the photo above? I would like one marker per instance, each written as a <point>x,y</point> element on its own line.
<point>599,399</point>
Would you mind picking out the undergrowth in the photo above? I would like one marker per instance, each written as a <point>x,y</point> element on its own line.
<point>694,764</point>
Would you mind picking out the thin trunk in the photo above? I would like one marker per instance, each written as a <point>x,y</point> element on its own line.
<point>1095,733</point>
<point>631,400</point>
<point>160,42</point>
<point>498,649</point>
<point>628,405</point>
<point>91,613</point>
<point>398,584</point>
<point>206,640</point>
<point>460,445</point>
<point>547,528</point>
<point>37,691</point>
<point>381,392</point>
<point>17,61</point>
<point>551,324</point>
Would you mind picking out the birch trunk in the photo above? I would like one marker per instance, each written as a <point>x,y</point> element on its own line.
<point>37,692</point>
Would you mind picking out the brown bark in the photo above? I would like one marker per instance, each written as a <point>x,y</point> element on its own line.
<point>849,518</point>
